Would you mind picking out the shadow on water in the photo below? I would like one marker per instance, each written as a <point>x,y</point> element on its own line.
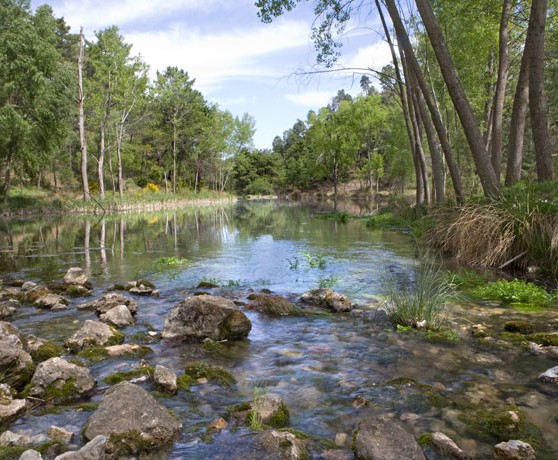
<point>319,365</point>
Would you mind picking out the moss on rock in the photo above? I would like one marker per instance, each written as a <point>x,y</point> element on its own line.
<point>199,370</point>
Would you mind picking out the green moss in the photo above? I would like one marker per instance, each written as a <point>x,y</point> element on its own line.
<point>240,407</point>
<point>59,391</point>
<point>198,370</point>
<point>546,340</point>
<point>299,434</point>
<point>281,417</point>
<point>94,354</point>
<point>184,382</point>
<point>130,442</point>
<point>212,346</point>
<point>521,327</point>
<point>46,351</point>
<point>77,291</point>
<point>425,439</point>
<point>11,452</point>
<point>441,336</point>
<point>117,338</point>
<point>128,375</point>
<point>81,407</point>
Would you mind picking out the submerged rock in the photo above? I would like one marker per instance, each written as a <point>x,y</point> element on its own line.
<point>206,316</point>
<point>514,450</point>
<point>132,421</point>
<point>273,305</point>
<point>94,333</point>
<point>328,298</point>
<point>381,438</point>
<point>59,380</point>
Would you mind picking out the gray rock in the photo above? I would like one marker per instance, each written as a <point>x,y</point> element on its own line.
<point>327,298</point>
<point>118,316</point>
<point>93,450</point>
<point>165,379</point>
<point>109,301</point>
<point>132,420</point>
<point>206,316</point>
<point>7,393</point>
<point>31,454</point>
<point>549,376</point>
<point>514,450</point>
<point>446,445</point>
<point>28,286</point>
<point>11,410</point>
<point>94,333</point>
<point>8,308</point>
<point>382,439</point>
<point>16,365</point>
<point>280,444</point>
<point>9,438</point>
<point>270,410</point>
<point>75,275</point>
<point>52,302</point>
<point>60,434</point>
<point>60,380</point>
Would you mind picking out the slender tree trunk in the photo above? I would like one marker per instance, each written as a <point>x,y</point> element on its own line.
<point>468,120</point>
<point>81,99</point>
<point>119,137</point>
<point>517,124</point>
<point>410,58</point>
<point>537,104</point>
<point>174,154</point>
<point>101,161</point>
<point>500,94</point>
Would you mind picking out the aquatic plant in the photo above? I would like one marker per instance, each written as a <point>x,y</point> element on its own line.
<point>255,419</point>
<point>514,292</point>
<point>314,260</point>
<point>328,281</point>
<point>171,261</point>
<point>421,303</point>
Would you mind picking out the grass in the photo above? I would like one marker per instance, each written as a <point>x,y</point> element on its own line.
<point>421,303</point>
<point>515,292</point>
<point>314,260</point>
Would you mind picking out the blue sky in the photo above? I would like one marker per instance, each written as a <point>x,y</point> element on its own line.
<point>237,61</point>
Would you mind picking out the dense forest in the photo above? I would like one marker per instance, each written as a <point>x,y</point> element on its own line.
<point>468,106</point>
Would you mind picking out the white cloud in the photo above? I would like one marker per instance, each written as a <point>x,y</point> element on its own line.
<point>211,58</point>
<point>312,99</point>
<point>370,57</point>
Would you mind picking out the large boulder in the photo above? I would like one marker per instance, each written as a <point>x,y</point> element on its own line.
<point>94,333</point>
<point>206,317</point>
<point>58,380</point>
<point>382,439</point>
<point>118,316</point>
<point>16,365</point>
<point>327,298</point>
<point>132,421</point>
<point>109,301</point>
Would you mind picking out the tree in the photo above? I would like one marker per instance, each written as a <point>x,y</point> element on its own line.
<point>81,102</point>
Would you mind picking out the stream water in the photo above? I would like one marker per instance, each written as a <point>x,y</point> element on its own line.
<point>320,365</point>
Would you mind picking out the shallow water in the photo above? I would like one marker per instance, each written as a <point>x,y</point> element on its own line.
<point>318,365</point>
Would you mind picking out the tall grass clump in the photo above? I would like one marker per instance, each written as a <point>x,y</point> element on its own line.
<point>518,230</point>
<point>422,302</point>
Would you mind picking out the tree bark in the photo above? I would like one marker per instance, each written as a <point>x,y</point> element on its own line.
<point>500,93</point>
<point>517,124</point>
<point>81,99</point>
<point>468,120</point>
<point>410,58</point>
<point>535,43</point>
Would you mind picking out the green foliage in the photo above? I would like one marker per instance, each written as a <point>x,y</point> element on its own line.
<point>128,375</point>
<point>314,260</point>
<point>421,303</point>
<point>171,261</point>
<point>328,281</point>
<point>384,219</point>
<point>198,370</point>
<point>514,292</point>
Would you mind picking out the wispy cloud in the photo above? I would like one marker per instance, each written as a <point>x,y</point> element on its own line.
<point>311,99</point>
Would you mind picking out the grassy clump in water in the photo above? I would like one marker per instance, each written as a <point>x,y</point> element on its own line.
<point>198,370</point>
<point>420,304</point>
<point>515,292</point>
<point>385,219</point>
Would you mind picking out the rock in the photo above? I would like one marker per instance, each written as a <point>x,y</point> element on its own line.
<point>279,445</point>
<point>141,287</point>
<point>549,376</point>
<point>11,410</point>
<point>9,438</point>
<point>77,290</point>
<point>272,305</point>
<point>41,349</point>
<point>59,380</point>
<point>7,393</point>
<point>94,333</point>
<point>118,316</point>
<point>132,421</point>
<point>93,450</point>
<point>327,298</point>
<point>165,379</point>
<point>75,275</point>
<point>381,438</point>
<point>446,445</point>
<point>16,365</point>
<point>341,439</point>
<point>126,349</point>
<point>514,450</point>
<point>108,301</point>
<point>269,410</point>
<point>52,302</point>
<point>218,424</point>
<point>60,434</point>
<point>8,308</point>
<point>521,327</point>
<point>206,316</point>
<point>28,286</point>
<point>31,454</point>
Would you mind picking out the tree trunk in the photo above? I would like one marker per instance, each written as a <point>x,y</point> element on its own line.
<point>411,60</point>
<point>101,161</point>
<point>500,93</point>
<point>517,124</point>
<point>468,120</point>
<point>81,98</point>
<point>119,137</point>
<point>174,154</point>
<point>534,48</point>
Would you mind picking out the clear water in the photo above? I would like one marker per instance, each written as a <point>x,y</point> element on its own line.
<point>319,366</point>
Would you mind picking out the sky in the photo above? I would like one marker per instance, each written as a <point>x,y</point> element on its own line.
<point>238,62</point>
